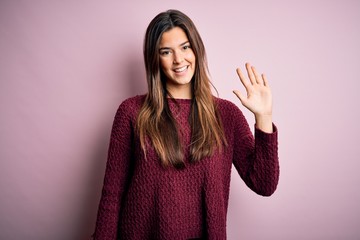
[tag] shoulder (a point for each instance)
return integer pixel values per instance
(229, 113)
(131, 106)
(226, 107)
(133, 102)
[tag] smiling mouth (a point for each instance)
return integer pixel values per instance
(180, 70)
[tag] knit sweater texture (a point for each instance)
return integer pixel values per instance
(141, 199)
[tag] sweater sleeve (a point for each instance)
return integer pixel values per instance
(116, 175)
(256, 158)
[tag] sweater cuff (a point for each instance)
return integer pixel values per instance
(268, 137)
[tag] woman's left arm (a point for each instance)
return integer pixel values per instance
(256, 159)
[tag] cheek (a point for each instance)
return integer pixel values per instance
(164, 64)
(191, 57)
(165, 68)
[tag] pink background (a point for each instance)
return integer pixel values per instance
(66, 65)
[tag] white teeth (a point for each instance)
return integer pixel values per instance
(178, 70)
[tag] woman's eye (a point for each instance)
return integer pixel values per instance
(164, 53)
(186, 47)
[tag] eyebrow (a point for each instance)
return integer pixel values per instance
(167, 48)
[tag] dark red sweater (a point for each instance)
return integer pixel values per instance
(143, 200)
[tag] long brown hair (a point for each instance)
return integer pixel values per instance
(155, 119)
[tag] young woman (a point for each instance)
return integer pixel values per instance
(171, 150)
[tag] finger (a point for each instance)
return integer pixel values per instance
(242, 78)
(250, 73)
(257, 76)
(266, 83)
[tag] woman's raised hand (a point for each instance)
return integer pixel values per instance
(259, 97)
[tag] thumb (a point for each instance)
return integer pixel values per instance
(240, 97)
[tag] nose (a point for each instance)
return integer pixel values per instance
(178, 58)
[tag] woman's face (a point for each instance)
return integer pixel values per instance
(177, 61)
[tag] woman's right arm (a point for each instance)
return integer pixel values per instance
(116, 176)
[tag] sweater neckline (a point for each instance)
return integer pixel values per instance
(179, 100)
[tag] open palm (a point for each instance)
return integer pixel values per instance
(259, 97)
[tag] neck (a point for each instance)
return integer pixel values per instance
(180, 92)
